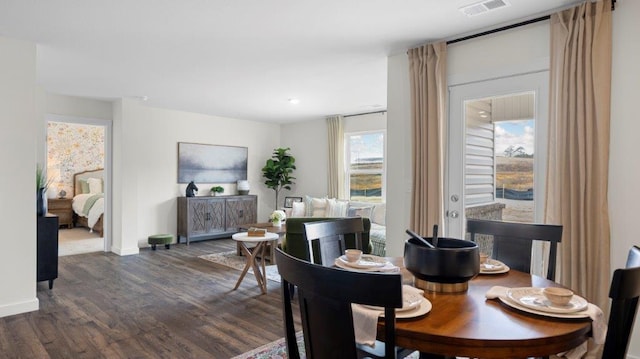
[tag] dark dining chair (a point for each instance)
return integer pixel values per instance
(512, 242)
(325, 295)
(624, 293)
(326, 239)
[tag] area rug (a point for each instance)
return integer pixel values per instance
(232, 260)
(274, 350)
(278, 350)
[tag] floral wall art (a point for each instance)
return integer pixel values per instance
(72, 148)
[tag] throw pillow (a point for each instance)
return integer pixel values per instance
(379, 214)
(336, 208)
(315, 207)
(364, 212)
(95, 185)
(298, 209)
(84, 186)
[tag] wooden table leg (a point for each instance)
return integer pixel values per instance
(246, 266)
(252, 263)
(260, 277)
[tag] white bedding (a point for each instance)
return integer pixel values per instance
(94, 213)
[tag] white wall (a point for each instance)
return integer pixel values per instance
(18, 126)
(522, 50)
(528, 48)
(367, 122)
(145, 166)
(399, 170)
(309, 145)
(74, 106)
(624, 166)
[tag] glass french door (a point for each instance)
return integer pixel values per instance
(496, 147)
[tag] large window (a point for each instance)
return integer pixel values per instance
(365, 166)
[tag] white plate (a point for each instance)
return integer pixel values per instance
(498, 267)
(422, 309)
(516, 305)
(366, 261)
(533, 298)
(388, 267)
(410, 301)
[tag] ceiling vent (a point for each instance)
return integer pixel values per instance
(483, 6)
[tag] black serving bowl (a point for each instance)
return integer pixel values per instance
(454, 261)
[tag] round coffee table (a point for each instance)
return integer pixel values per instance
(252, 256)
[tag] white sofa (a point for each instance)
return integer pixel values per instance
(331, 207)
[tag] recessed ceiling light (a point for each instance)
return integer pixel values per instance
(294, 101)
(484, 116)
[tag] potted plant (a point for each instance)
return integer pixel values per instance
(42, 183)
(216, 189)
(278, 171)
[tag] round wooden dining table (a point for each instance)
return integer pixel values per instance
(469, 325)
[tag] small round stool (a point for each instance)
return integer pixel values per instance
(165, 239)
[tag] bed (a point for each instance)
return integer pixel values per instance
(88, 200)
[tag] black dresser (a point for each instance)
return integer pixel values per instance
(47, 248)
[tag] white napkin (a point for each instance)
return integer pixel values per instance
(388, 267)
(598, 323)
(365, 319)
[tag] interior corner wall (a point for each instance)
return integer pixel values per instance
(18, 126)
(145, 166)
(624, 171)
(309, 145)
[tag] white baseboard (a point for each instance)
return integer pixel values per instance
(21, 307)
(125, 251)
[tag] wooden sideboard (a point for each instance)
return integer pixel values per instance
(47, 261)
(209, 217)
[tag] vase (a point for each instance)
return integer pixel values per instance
(276, 222)
(41, 202)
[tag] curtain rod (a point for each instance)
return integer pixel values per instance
(366, 113)
(512, 26)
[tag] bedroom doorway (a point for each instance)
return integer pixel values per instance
(78, 161)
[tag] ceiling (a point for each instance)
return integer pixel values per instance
(239, 58)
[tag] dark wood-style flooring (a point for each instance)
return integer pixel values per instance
(158, 304)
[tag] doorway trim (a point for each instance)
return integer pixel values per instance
(108, 187)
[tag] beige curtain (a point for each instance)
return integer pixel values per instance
(427, 66)
(579, 145)
(336, 185)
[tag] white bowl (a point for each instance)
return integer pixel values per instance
(558, 296)
(353, 255)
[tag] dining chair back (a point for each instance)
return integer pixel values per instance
(328, 238)
(512, 242)
(325, 295)
(624, 293)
